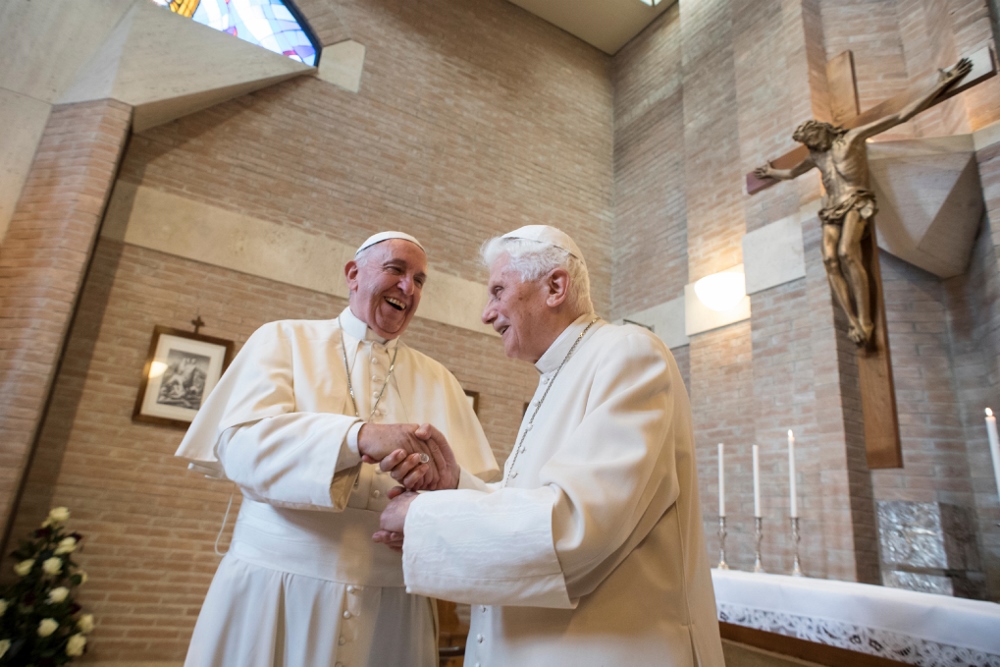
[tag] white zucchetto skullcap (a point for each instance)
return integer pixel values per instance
(548, 235)
(386, 236)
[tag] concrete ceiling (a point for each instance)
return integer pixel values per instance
(606, 24)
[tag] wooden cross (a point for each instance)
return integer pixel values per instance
(878, 396)
(197, 322)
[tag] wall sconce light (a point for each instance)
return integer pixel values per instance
(722, 291)
(651, 3)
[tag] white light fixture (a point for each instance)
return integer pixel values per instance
(651, 3)
(722, 291)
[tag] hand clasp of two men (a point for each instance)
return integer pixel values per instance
(418, 457)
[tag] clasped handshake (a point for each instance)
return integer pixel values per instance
(418, 457)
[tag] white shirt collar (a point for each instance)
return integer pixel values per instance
(360, 331)
(560, 346)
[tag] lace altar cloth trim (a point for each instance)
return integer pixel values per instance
(883, 643)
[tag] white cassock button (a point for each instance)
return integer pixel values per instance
(528, 427)
(375, 394)
(351, 589)
(341, 641)
(347, 614)
(376, 379)
(375, 361)
(479, 638)
(376, 493)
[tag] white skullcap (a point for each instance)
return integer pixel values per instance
(386, 236)
(548, 235)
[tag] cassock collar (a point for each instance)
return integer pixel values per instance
(360, 331)
(560, 346)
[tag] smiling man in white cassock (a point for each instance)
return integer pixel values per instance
(590, 551)
(295, 422)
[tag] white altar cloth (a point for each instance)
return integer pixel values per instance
(907, 626)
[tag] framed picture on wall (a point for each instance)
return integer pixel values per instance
(181, 369)
(473, 397)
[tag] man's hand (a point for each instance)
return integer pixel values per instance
(393, 519)
(378, 441)
(405, 469)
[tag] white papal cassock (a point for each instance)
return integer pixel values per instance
(303, 584)
(593, 554)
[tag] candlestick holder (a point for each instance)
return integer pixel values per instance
(758, 523)
(723, 565)
(796, 566)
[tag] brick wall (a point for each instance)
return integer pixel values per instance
(472, 120)
(650, 221)
(721, 382)
(149, 523)
(42, 264)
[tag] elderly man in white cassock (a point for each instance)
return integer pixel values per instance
(590, 550)
(295, 423)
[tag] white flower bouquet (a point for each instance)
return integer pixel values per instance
(40, 624)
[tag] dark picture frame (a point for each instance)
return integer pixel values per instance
(181, 369)
(473, 397)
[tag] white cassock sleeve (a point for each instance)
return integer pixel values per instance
(273, 453)
(610, 479)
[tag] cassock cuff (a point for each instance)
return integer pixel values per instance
(349, 455)
(352, 439)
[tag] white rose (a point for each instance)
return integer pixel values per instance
(4, 645)
(86, 624)
(66, 545)
(74, 646)
(3, 607)
(52, 566)
(47, 627)
(57, 595)
(57, 516)
(24, 567)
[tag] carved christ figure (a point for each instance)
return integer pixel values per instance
(848, 202)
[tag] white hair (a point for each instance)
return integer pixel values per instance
(534, 259)
(361, 259)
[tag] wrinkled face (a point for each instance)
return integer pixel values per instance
(385, 289)
(515, 309)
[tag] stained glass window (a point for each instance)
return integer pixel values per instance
(273, 24)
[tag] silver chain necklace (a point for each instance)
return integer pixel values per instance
(538, 405)
(347, 370)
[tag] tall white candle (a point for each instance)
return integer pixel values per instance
(991, 431)
(791, 475)
(722, 484)
(756, 481)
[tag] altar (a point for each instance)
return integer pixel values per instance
(890, 623)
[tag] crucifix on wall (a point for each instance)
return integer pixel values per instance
(850, 253)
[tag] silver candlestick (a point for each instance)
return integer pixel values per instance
(796, 566)
(723, 565)
(759, 528)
